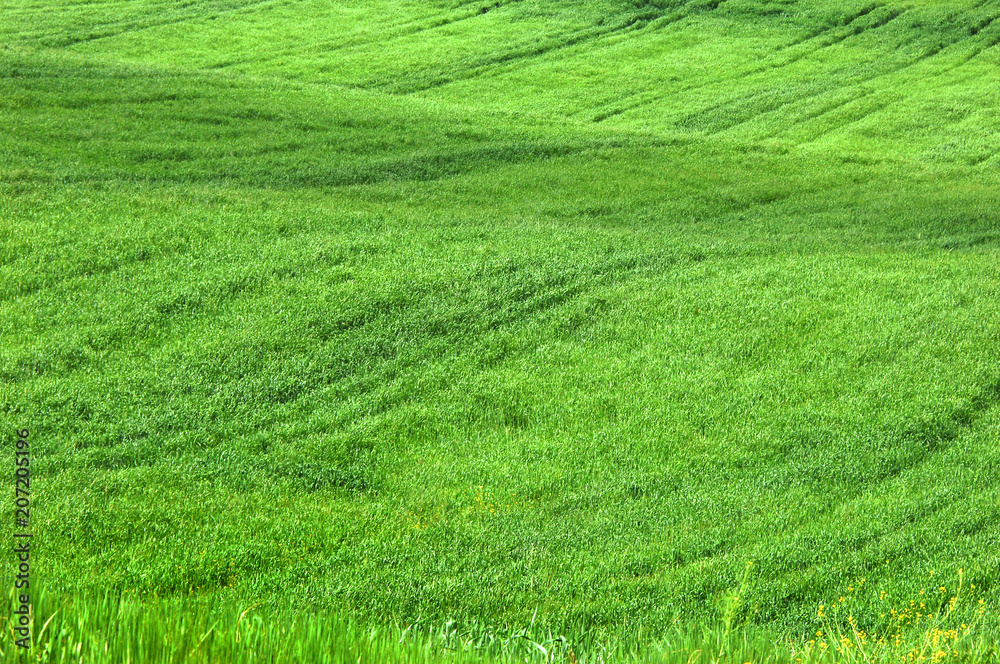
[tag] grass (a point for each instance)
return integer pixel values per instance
(114, 628)
(516, 314)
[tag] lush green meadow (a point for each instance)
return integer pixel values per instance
(542, 315)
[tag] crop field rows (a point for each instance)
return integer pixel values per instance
(527, 313)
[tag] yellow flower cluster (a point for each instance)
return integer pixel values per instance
(913, 634)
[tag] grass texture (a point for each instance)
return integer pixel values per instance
(939, 626)
(510, 314)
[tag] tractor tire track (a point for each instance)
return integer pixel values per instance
(769, 66)
(118, 29)
(647, 20)
(414, 27)
(755, 112)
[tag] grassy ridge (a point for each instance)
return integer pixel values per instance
(492, 348)
(906, 79)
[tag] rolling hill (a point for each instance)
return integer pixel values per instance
(547, 311)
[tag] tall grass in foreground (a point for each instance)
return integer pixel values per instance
(955, 627)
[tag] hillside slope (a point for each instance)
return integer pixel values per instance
(472, 309)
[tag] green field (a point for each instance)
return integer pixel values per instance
(542, 315)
